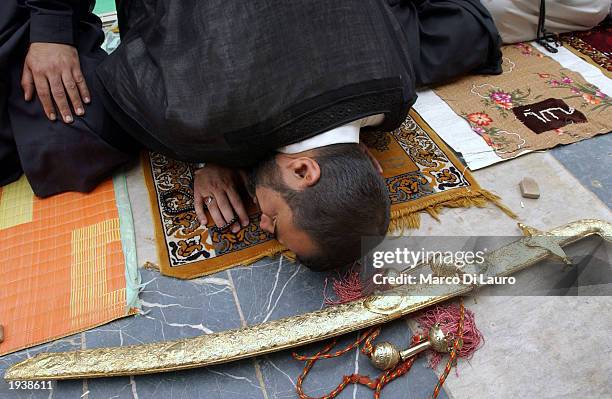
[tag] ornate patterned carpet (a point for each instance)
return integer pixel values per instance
(67, 263)
(421, 172)
(186, 249)
(594, 46)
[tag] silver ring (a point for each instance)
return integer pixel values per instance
(208, 200)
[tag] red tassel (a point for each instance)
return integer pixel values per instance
(448, 318)
(346, 288)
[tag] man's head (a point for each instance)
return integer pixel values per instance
(319, 203)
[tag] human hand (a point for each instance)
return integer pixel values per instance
(215, 187)
(53, 71)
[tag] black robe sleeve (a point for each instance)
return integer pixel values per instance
(53, 21)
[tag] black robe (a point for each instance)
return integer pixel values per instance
(55, 156)
(226, 81)
(230, 81)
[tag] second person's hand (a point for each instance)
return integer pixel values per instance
(53, 72)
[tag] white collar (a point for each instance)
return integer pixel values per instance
(348, 133)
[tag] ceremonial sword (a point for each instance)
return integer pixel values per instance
(289, 332)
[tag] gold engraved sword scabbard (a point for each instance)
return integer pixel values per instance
(297, 330)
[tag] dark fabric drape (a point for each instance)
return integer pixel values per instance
(56, 157)
(448, 38)
(229, 81)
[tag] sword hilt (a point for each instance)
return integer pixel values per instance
(386, 356)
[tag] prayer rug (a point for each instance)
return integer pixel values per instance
(594, 46)
(67, 263)
(185, 248)
(535, 104)
(421, 173)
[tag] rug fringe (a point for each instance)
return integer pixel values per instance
(403, 219)
(400, 222)
(289, 255)
(496, 200)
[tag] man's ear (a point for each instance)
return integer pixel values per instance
(304, 172)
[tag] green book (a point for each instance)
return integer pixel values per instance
(104, 6)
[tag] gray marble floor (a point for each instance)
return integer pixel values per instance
(544, 347)
(517, 359)
(245, 295)
(590, 162)
(526, 337)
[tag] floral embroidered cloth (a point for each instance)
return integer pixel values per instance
(535, 104)
(421, 173)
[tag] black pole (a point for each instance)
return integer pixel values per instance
(543, 37)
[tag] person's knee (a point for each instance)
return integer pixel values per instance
(568, 15)
(517, 20)
(601, 10)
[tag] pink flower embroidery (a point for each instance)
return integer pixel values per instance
(599, 94)
(525, 48)
(554, 83)
(479, 130)
(575, 91)
(500, 97)
(567, 80)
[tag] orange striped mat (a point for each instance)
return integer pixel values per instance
(64, 262)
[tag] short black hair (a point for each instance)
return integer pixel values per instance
(350, 201)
